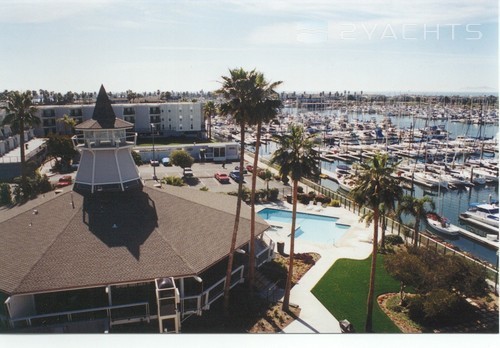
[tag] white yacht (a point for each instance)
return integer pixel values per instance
(485, 213)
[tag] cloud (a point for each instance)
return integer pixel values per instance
(34, 11)
(401, 11)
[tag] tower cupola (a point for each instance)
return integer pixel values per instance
(105, 144)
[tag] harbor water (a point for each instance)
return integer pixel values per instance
(449, 202)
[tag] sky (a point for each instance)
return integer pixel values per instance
(398, 46)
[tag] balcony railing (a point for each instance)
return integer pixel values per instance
(127, 313)
(82, 141)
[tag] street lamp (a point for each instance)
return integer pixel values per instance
(153, 163)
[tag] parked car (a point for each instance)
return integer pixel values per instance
(237, 168)
(187, 172)
(235, 175)
(249, 168)
(222, 178)
(154, 163)
(65, 180)
(165, 161)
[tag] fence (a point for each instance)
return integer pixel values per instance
(392, 226)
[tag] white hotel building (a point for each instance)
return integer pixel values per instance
(168, 119)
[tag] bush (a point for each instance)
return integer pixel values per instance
(394, 239)
(204, 188)
(439, 308)
(137, 158)
(273, 194)
(300, 189)
(323, 199)
(274, 271)
(305, 258)
(245, 194)
(334, 203)
(173, 180)
(303, 198)
(5, 194)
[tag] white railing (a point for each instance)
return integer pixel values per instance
(81, 140)
(68, 316)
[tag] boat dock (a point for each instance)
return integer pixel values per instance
(486, 227)
(482, 240)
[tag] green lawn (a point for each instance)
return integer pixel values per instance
(343, 290)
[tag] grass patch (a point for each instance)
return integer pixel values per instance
(343, 290)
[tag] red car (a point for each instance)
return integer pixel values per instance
(64, 181)
(222, 178)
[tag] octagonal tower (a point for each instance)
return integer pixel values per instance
(105, 145)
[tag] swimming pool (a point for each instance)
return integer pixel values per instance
(313, 228)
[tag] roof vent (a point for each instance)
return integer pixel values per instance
(114, 226)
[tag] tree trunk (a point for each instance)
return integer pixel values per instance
(23, 153)
(251, 259)
(230, 260)
(210, 127)
(402, 296)
(416, 232)
(382, 239)
(288, 285)
(371, 289)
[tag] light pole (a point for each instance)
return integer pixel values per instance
(153, 163)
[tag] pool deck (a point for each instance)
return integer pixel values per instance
(355, 244)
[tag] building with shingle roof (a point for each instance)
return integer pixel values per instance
(119, 256)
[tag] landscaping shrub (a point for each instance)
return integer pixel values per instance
(322, 199)
(305, 258)
(5, 194)
(173, 180)
(273, 194)
(393, 239)
(439, 308)
(334, 203)
(303, 198)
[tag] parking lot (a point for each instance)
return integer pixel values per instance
(204, 176)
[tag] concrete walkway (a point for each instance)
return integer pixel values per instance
(355, 244)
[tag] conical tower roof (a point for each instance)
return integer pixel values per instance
(103, 117)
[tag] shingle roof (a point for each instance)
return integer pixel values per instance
(103, 117)
(118, 237)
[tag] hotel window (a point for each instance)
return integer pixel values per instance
(154, 110)
(49, 113)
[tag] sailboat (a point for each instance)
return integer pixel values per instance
(439, 223)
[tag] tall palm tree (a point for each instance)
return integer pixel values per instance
(296, 158)
(209, 111)
(20, 113)
(241, 95)
(267, 108)
(416, 207)
(374, 186)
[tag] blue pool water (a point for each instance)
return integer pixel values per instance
(313, 228)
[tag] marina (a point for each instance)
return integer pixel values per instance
(452, 159)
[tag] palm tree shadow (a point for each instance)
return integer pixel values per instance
(120, 219)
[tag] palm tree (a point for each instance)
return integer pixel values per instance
(416, 207)
(20, 113)
(209, 110)
(68, 123)
(267, 108)
(241, 96)
(374, 186)
(296, 158)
